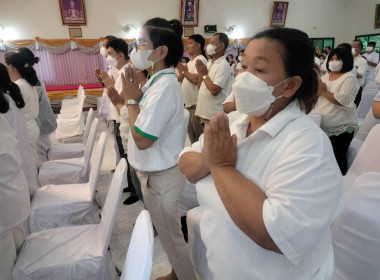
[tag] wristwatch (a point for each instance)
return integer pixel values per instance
(204, 77)
(132, 102)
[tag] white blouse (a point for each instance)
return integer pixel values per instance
(337, 118)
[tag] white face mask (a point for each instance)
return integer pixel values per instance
(211, 49)
(353, 51)
(369, 49)
(240, 58)
(112, 61)
(140, 59)
(103, 51)
(252, 95)
(335, 65)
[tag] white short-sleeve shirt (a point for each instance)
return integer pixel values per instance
(361, 66)
(189, 90)
(14, 193)
(219, 72)
(371, 57)
(114, 114)
(161, 119)
(337, 118)
(292, 161)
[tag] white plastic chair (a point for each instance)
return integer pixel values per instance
(72, 150)
(356, 232)
(70, 121)
(68, 205)
(367, 160)
(69, 171)
(138, 262)
(78, 252)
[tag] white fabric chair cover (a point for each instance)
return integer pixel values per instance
(78, 252)
(356, 232)
(72, 150)
(70, 120)
(367, 160)
(138, 262)
(315, 116)
(197, 248)
(368, 95)
(69, 171)
(68, 205)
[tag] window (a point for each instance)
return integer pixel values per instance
(368, 38)
(322, 43)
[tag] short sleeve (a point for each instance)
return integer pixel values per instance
(347, 91)
(222, 75)
(157, 112)
(304, 195)
(230, 98)
(362, 69)
(377, 97)
(195, 147)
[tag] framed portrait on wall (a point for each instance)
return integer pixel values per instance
(377, 16)
(72, 12)
(279, 11)
(189, 12)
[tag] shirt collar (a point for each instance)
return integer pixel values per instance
(272, 127)
(219, 59)
(121, 70)
(153, 78)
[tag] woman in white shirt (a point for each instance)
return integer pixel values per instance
(23, 74)
(156, 137)
(11, 103)
(266, 179)
(337, 92)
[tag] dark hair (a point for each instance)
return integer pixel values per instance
(345, 45)
(223, 38)
(22, 65)
(7, 86)
(298, 58)
(109, 38)
(328, 47)
(173, 24)
(185, 58)
(372, 43)
(30, 57)
(200, 40)
(167, 37)
(325, 52)
(360, 43)
(322, 55)
(346, 57)
(120, 46)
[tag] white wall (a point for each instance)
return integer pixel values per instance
(341, 19)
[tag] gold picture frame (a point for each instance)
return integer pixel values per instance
(75, 32)
(72, 12)
(278, 16)
(189, 12)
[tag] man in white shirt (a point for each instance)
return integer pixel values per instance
(117, 56)
(214, 80)
(372, 58)
(189, 77)
(360, 67)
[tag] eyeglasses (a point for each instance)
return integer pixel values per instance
(140, 45)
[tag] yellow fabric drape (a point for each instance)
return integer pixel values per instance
(60, 94)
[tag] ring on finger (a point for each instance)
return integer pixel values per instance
(130, 80)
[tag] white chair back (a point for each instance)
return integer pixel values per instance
(356, 232)
(367, 160)
(186, 123)
(89, 119)
(90, 144)
(97, 164)
(112, 204)
(138, 262)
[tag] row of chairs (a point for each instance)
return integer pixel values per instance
(69, 240)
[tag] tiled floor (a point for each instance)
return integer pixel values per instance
(126, 215)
